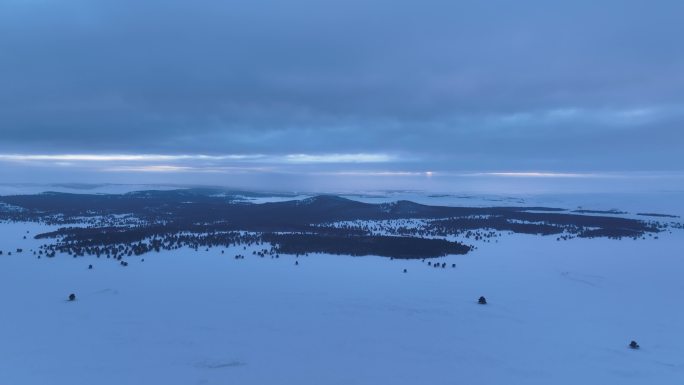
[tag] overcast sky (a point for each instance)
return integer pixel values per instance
(310, 93)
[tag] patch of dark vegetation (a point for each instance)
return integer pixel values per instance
(386, 246)
(498, 223)
(149, 221)
(658, 215)
(97, 242)
(615, 212)
(614, 233)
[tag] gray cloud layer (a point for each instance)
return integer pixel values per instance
(451, 85)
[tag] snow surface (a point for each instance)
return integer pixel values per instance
(558, 313)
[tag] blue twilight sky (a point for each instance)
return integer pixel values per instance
(344, 94)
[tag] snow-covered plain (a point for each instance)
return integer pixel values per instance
(558, 313)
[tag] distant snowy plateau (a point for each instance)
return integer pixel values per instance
(231, 303)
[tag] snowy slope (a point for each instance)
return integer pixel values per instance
(558, 313)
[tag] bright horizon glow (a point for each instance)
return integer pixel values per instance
(339, 158)
(530, 174)
(122, 157)
(322, 172)
(285, 164)
(288, 158)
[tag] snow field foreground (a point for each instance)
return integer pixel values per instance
(558, 313)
